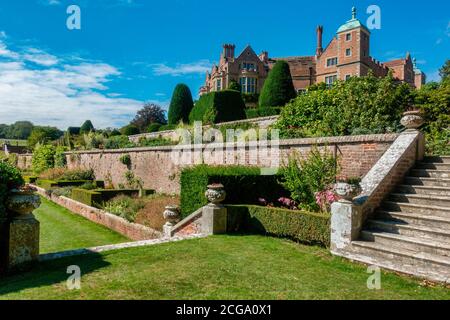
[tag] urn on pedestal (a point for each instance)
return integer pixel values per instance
(215, 194)
(412, 120)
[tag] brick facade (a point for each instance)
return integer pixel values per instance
(346, 55)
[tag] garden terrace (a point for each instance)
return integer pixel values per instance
(256, 268)
(357, 155)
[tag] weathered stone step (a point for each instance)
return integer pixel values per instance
(437, 159)
(423, 181)
(413, 189)
(427, 173)
(392, 226)
(421, 199)
(416, 208)
(426, 220)
(409, 243)
(433, 166)
(429, 266)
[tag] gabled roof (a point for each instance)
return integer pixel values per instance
(249, 49)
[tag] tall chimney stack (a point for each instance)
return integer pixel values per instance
(319, 49)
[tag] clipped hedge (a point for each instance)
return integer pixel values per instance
(51, 184)
(305, 227)
(94, 198)
(262, 112)
(244, 185)
(216, 107)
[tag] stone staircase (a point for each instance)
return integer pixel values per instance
(410, 232)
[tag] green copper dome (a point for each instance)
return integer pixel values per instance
(352, 24)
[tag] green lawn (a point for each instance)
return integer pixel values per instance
(218, 267)
(13, 142)
(62, 230)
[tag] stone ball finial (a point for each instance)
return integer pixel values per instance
(412, 120)
(215, 194)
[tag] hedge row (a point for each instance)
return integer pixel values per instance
(97, 197)
(216, 107)
(262, 112)
(50, 184)
(304, 227)
(244, 185)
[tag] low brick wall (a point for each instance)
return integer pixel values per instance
(357, 155)
(132, 231)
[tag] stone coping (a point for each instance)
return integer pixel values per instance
(390, 137)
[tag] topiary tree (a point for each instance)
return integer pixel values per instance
(234, 86)
(181, 104)
(278, 88)
(216, 107)
(130, 130)
(87, 127)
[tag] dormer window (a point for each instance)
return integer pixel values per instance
(348, 37)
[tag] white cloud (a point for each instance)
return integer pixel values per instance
(181, 69)
(58, 91)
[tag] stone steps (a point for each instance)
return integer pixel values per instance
(426, 220)
(437, 159)
(425, 190)
(423, 199)
(404, 242)
(428, 173)
(402, 228)
(416, 208)
(433, 166)
(430, 266)
(423, 181)
(410, 232)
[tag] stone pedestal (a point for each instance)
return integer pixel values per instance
(23, 241)
(346, 223)
(214, 219)
(3, 244)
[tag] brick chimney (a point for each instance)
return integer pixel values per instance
(228, 51)
(319, 49)
(264, 57)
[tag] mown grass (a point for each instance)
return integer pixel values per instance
(62, 230)
(14, 142)
(218, 267)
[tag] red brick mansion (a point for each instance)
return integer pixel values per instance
(347, 55)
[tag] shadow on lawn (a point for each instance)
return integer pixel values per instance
(51, 273)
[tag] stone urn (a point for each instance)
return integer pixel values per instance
(412, 119)
(347, 191)
(215, 194)
(22, 202)
(171, 215)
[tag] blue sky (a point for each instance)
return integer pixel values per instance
(131, 51)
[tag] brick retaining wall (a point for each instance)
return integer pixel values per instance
(155, 167)
(130, 230)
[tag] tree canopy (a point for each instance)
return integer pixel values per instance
(150, 113)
